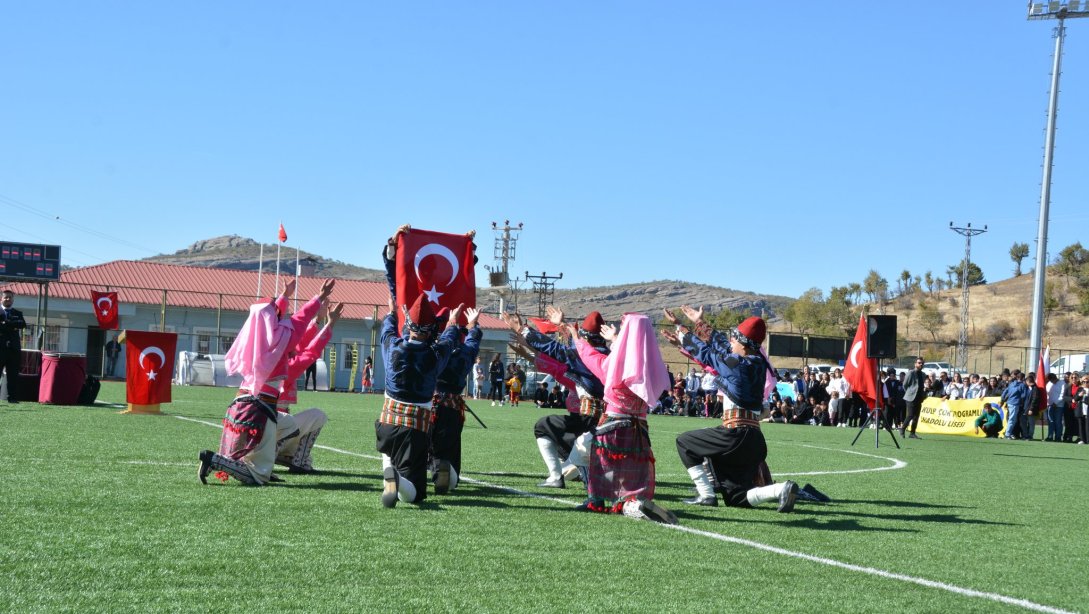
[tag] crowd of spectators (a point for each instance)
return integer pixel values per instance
(826, 399)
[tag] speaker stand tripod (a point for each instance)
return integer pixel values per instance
(876, 416)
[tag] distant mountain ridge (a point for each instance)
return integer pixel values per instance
(242, 253)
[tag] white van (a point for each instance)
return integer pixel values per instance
(1073, 363)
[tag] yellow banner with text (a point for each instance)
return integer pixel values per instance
(941, 417)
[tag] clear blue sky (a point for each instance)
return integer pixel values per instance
(765, 146)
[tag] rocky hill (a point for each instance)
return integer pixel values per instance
(235, 252)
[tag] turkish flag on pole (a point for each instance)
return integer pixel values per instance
(861, 372)
(437, 264)
(149, 366)
(1044, 369)
(104, 305)
(283, 233)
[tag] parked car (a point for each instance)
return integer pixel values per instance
(1073, 363)
(934, 369)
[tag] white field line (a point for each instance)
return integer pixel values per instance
(966, 592)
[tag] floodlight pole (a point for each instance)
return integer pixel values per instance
(1036, 11)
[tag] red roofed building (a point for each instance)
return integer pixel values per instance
(206, 308)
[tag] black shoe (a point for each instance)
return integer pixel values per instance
(442, 478)
(205, 468)
(788, 497)
(390, 479)
(704, 501)
(809, 492)
(913, 436)
(303, 470)
(583, 507)
(275, 478)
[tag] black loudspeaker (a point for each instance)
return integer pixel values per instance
(880, 336)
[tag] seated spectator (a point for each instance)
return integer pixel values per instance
(540, 396)
(803, 413)
(990, 421)
(776, 415)
(714, 406)
(557, 398)
(820, 415)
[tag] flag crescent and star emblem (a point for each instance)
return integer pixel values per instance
(434, 249)
(106, 309)
(149, 351)
(854, 353)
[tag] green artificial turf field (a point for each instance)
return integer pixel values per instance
(104, 512)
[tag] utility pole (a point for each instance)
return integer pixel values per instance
(506, 240)
(962, 344)
(545, 288)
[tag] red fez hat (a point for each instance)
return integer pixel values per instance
(754, 330)
(421, 312)
(593, 322)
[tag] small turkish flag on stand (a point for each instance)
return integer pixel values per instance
(1044, 368)
(283, 234)
(105, 308)
(437, 264)
(861, 372)
(149, 368)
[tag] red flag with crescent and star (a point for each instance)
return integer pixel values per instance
(104, 305)
(860, 371)
(282, 235)
(149, 366)
(438, 265)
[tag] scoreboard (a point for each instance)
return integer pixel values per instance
(29, 261)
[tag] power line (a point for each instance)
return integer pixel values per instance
(75, 226)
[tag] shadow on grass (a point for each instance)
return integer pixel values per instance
(1041, 457)
(509, 474)
(331, 486)
(472, 503)
(941, 518)
(900, 503)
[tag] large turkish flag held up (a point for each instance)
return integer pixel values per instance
(105, 308)
(860, 371)
(149, 366)
(437, 264)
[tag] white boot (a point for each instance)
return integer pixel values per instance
(705, 491)
(785, 493)
(551, 458)
(406, 491)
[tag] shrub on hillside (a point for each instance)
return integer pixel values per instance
(997, 331)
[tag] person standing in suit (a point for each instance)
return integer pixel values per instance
(11, 352)
(914, 393)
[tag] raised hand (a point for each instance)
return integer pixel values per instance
(471, 316)
(572, 331)
(514, 321)
(672, 319)
(289, 288)
(608, 332)
(672, 338)
(695, 315)
(555, 316)
(334, 313)
(455, 313)
(326, 288)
